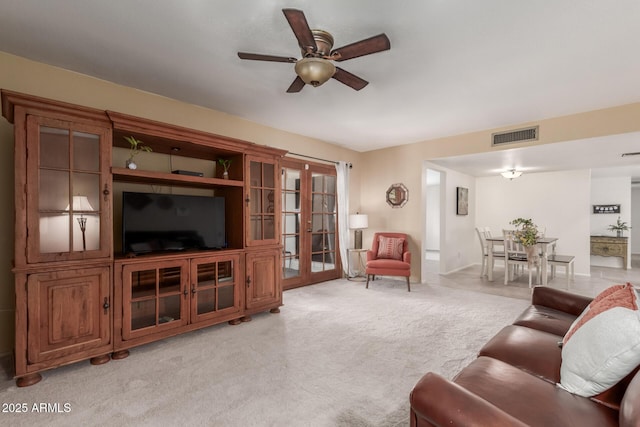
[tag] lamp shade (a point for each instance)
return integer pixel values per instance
(80, 204)
(358, 221)
(315, 71)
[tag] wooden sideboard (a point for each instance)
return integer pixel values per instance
(610, 246)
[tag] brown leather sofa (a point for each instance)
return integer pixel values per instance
(513, 380)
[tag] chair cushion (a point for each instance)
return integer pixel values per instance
(390, 247)
(603, 344)
(388, 264)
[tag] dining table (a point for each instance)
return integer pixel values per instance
(545, 245)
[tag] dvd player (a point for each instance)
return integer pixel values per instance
(190, 173)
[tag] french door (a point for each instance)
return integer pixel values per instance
(309, 217)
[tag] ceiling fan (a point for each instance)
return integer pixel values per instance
(316, 66)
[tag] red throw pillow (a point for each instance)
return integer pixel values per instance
(390, 247)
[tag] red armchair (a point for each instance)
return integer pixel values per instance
(389, 256)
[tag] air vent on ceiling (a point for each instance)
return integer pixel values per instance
(518, 135)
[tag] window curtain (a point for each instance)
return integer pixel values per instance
(342, 169)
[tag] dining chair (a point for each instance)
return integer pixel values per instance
(516, 256)
(484, 233)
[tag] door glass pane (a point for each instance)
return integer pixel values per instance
(86, 151)
(268, 199)
(291, 258)
(269, 227)
(225, 297)
(88, 185)
(317, 183)
(143, 314)
(291, 180)
(54, 190)
(86, 208)
(330, 184)
(54, 232)
(225, 272)
(269, 175)
(169, 309)
(169, 280)
(54, 148)
(256, 200)
(330, 204)
(86, 232)
(256, 174)
(143, 284)
(206, 275)
(323, 218)
(256, 227)
(206, 300)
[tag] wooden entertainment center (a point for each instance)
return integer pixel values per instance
(78, 296)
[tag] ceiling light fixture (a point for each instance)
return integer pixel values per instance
(315, 71)
(511, 174)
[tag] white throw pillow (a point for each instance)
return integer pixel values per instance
(602, 345)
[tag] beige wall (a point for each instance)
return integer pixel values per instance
(405, 163)
(21, 75)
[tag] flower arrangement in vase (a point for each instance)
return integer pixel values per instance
(137, 147)
(527, 234)
(619, 227)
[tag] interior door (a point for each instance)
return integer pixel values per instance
(309, 217)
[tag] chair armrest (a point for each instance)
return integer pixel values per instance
(370, 255)
(560, 300)
(406, 257)
(441, 402)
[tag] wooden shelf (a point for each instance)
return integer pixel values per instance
(151, 177)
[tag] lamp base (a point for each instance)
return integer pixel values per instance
(358, 239)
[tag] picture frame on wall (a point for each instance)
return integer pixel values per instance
(606, 209)
(462, 200)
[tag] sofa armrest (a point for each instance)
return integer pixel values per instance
(560, 300)
(406, 257)
(440, 402)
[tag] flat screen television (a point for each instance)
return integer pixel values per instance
(171, 222)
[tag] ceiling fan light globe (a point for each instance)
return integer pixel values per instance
(315, 71)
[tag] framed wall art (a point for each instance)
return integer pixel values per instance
(605, 209)
(462, 199)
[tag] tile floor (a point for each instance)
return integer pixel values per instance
(601, 278)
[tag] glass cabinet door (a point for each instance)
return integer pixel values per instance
(68, 198)
(215, 287)
(155, 296)
(262, 202)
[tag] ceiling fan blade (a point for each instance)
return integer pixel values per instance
(260, 57)
(363, 47)
(349, 79)
(300, 27)
(296, 86)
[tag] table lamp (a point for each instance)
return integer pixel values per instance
(358, 222)
(81, 204)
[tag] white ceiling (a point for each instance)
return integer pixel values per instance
(454, 66)
(602, 155)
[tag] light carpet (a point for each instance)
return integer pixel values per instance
(337, 355)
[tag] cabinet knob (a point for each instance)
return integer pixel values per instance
(193, 289)
(185, 292)
(106, 192)
(106, 303)
(248, 281)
